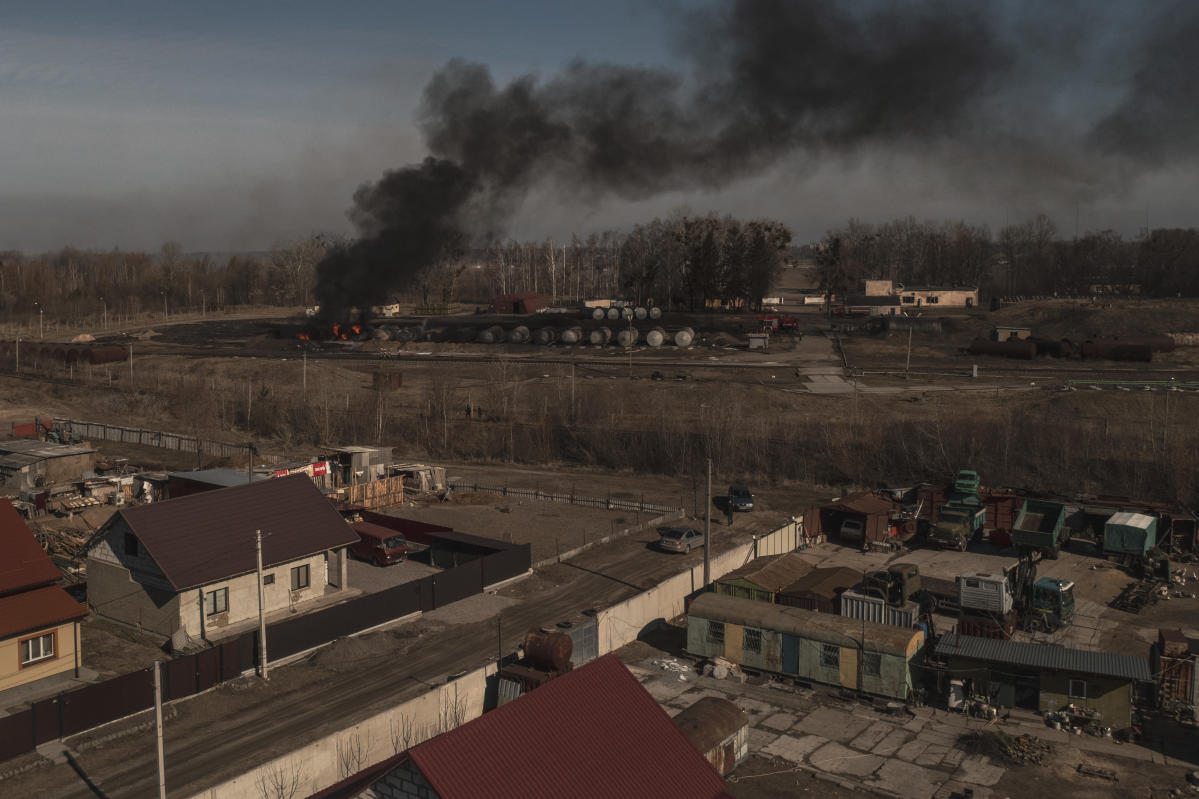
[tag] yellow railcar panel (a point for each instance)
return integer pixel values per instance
(849, 667)
(733, 636)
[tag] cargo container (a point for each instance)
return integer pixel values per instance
(985, 591)
(874, 609)
(1041, 526)
(1129, 534)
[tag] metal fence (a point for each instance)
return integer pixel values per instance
(93, 705)
(154, 438)
(608, 503)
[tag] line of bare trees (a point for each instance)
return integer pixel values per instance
(1028, 258)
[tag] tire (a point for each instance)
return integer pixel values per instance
(1053, 553)
(962, 545)
(379, 561)
(688, 550)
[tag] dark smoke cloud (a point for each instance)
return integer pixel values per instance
(971, 85)
(1159, 117)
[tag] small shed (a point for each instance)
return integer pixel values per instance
(820, 589)
(1005, 333)
(874, 511)
(1100, 686)
(719, 730)
(759, 341)
(523, 302)
(762, 578)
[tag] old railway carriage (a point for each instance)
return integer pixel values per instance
(817, 647)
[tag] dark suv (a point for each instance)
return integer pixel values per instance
(740, 498)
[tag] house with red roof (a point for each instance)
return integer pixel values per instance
(39, 622)
(186, 567)
(593, 733)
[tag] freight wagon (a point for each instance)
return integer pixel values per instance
(813, 647)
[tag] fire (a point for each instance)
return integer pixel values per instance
(303, 337)
(336, 330)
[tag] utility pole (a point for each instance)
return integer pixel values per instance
(908, 366)
(131, 367)
(305, 375)
(572, 389)
(162, 772)
(17, 363)
(249, 461)
(708, 531)
(261, 605)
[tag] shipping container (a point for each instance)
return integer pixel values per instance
(984, 591)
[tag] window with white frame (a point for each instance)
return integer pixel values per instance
(830, 656)
(299, 577)
(1078, 689)
(216, 602)
(38, 648)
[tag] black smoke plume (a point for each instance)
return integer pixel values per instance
(968, 83)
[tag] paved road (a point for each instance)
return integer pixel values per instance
(259, 722)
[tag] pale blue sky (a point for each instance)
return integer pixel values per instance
(236, 125)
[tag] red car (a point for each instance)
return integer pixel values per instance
(378, 544)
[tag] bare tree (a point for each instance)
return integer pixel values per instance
(281, 782)
(352, 753)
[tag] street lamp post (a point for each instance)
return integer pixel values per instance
(105, 304)
(164, 303)
(41, 312)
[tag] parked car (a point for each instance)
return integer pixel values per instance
(740, 498)
(852, 530)
(680, 539)
(378, 544)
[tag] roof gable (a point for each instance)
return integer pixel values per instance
(771, 572)
(209, 536)
(594, 732)
(23, 563)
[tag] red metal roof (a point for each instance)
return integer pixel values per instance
(593, 733)
(36, 610)
(23, 563)
(209, 536)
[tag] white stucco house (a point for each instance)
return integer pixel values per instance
(185, 568)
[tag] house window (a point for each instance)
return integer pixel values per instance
(909, 300)
(268, 579)
(216, 602)
(130, 544)
(1078, 689)
(872, 664)
(830, 656)
(38, 648)
(933, 300)
(716, 632)
(299, 577)
(753, 641)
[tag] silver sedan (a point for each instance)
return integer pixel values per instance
(680, 539)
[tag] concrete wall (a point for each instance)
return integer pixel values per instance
(1111, 697)
(324, 762)
(622, 623)
(939, 298)
(11, 673)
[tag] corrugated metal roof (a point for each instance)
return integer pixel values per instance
(23, 563)
(226, 478)
(42, 449)
(209, 536)
(593, 733)
(36, 610)
(867, 504)
(826, 627)
(1042, 656)
(825, 581)
(772, 572)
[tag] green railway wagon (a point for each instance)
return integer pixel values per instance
(815, 647)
